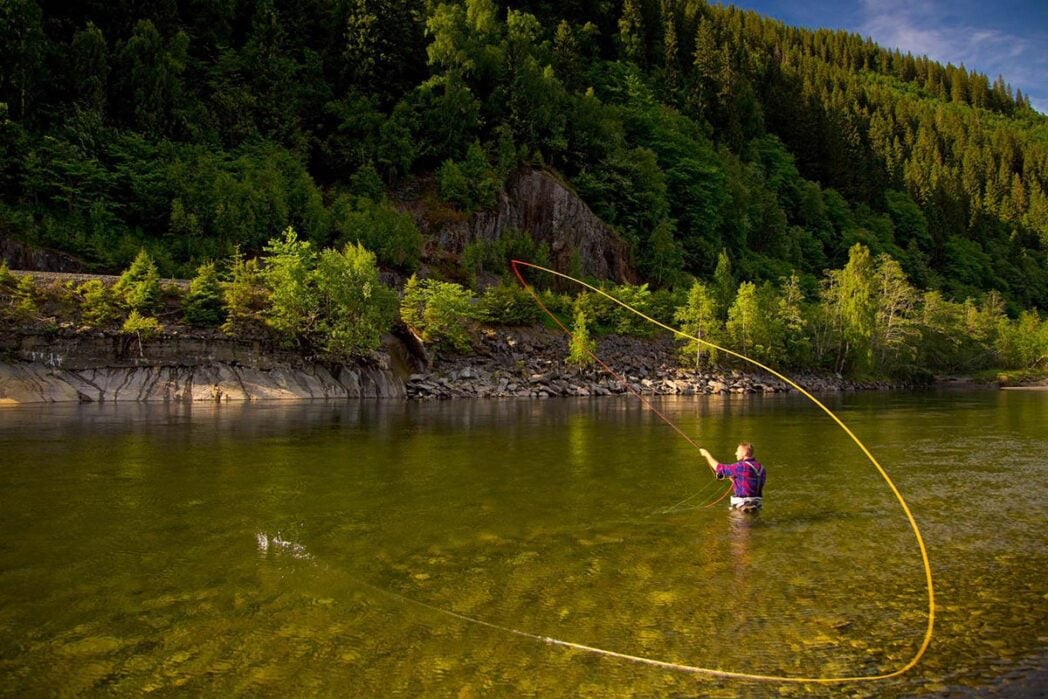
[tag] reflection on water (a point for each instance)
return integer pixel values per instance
(320, 547)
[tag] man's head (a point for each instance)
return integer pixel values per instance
(744, 451)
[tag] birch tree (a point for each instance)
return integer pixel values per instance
(896, 300)
(699, 318)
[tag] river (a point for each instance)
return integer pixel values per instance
(425, 549)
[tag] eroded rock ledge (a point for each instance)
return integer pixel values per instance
(108, 367)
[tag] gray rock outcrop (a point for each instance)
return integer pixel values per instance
(34, 382)
(106, 367)
(537, 202)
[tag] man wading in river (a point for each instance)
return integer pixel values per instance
(747, 477)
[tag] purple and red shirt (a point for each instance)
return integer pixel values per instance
(747, 476)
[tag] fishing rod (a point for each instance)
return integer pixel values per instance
(929, 629)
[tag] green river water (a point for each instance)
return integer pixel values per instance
(327, 549)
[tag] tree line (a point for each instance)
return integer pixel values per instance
(195, 130)
(868, 319)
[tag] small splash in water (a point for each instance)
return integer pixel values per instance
(278, 544)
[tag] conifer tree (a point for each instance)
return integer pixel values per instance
(138, 288)
(203, 305)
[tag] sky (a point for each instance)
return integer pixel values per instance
(993, 37)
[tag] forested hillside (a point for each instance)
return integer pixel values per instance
(196, 128)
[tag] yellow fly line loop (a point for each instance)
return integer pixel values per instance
(723, 673)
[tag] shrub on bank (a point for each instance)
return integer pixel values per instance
(438, 312)
(508, 305)
(141, 327)
(333, 301)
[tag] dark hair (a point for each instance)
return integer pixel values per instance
(747, 447)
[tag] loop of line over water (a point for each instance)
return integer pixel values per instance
(516, 264)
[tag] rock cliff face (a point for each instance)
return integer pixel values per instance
(109, 368)
(26, 257)
(537, 202)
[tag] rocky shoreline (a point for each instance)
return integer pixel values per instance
(505, 363)
(530, 364)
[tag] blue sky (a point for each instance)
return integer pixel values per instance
(993, 37)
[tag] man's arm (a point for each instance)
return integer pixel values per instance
(709, 460)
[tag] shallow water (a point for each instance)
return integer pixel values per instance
(335, 548)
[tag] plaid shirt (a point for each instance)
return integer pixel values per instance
(747, 476)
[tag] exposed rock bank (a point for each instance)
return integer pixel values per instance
(110, 367)
(524, 363)
(530, 363)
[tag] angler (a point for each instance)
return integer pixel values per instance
(747, 477)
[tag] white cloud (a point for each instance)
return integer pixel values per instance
(935, 29)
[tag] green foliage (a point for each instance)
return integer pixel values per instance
(7, 279)
(356, 309)
(138, 288)
(582, 346)
(145, 327)
(691, 129)
(332, 302)
(724, 288)
(382, 46)
(600, 311)
(796, 316)
(203, 305)
(663, 304)
(664, 260)
(508, 304)
(453, 185)
(24, 300)
(244, 295)
(495, 257)
(142, 327)
(560, 305)
(626, 322)
(484, 182)
(438, 312)
(377, 225)
(895, 324)
(471, 184)
(699, 318)
(1024, 343)
(98, 307)
(850, 303)
(366, 182)
(754, 327)
(288, 275)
